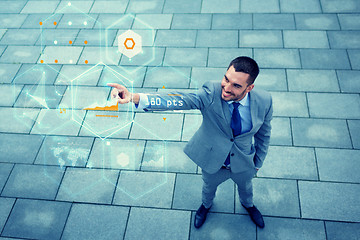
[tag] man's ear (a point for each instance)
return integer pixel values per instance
(250, 87)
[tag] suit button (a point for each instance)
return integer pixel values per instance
(232, 154)
(232, 139)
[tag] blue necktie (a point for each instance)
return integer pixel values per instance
(235, 125)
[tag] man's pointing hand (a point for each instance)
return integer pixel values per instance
(122, 94)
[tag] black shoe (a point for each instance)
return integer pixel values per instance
(255, 216)
(200, 216)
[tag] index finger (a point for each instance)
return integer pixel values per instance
(115, 85)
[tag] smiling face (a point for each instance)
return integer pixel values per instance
(234, 85)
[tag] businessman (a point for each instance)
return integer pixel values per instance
(234, 136)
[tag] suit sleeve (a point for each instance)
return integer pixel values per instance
(262, 138)
(178, 100)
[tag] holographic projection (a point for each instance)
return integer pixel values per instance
(67, 95)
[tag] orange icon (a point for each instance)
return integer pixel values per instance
(70, 42)
(128, 46)
(164, 119)
(40, 23)
(109, 108)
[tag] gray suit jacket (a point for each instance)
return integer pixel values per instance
(214, 140)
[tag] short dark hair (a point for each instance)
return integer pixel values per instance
(246, 65)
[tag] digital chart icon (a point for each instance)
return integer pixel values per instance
(130, 43)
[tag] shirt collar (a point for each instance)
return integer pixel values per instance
(243, 102)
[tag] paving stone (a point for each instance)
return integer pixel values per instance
(147, 37)
(191, 21)
(20, 37)
(300, 6)
(273, 21)
(317, 21)
(143, 6)
(99, 55)
(175, 38)
(79, 75)
(6, 206)
(20, 54)
(334, 105)
(88, 185)
(64, 151)
(200, 75)
(232, 21)
(345, 6)
(147, 223)
(77, 20)
(18, 148)
(40, 96)
(95, 37)
(146, 189)
(9, 93)
(40, 7)
(185, 6)
(156, 127)
(320, 133)
(109, 7)
(77, 97)
(12, 20)
(224, 226)
(354, 128)
(342, 230)
(37, 74)
(217, 38)
(37, 219)
(274, 197)
(33, 21)
(116, 154)
(187, 194)
(127, 76)
(212, 6)
(289, 104)
(285, 228)
(317, 199)
(64, 122)
(75, 7)
(349, 21)
(167, 156)
(167, 76)
(152, 21)
(63, 55)
(312, 80)
(277, 58)
(5, 170)
(305, 39)
(31, 181)
(194, 57)
(271, 80)
(191, 125)
(8, 72)
(324, 59)
(17, 120)
(150, 56)
(344, 39)
(338, 165)
(259, 6)
(221, 57)
(11, 6)
(110, 222)
(289, 162)
(2, 48)
(354, 56)
(281, 131)
(114, 21)
(260, 38)
(57, 37)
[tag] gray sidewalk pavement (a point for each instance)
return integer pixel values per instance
(70, 173)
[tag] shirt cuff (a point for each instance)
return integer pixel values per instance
(143, 101)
